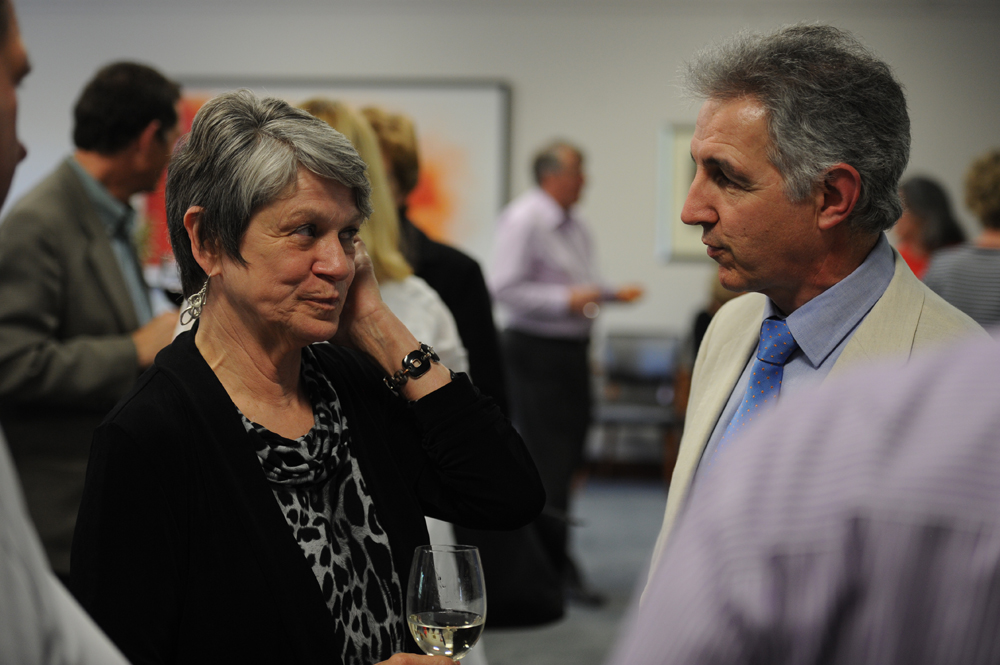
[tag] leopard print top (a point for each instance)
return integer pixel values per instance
(322, 494)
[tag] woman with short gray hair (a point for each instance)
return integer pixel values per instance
(258, 495)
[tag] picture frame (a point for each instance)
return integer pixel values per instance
(675, 241)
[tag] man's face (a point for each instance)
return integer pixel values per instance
(566, 185)
(762, 241)
(13, 68)
(158, 156)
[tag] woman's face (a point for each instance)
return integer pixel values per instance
(299, 253)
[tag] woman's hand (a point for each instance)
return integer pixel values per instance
(367, 325)
(364, 301)
(415, 659)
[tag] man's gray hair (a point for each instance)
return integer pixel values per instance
(829, 100)
(549, 159)
(243, 153)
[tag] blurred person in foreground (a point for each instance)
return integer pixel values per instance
(926, 225)
(76, 322)
(968, 276)
(545, 277)
(455, 275)
(868, 538)
(798, 151)
(259, 494)
(39, 621)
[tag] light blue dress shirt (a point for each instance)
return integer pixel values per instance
(822, 328)
(115, 214)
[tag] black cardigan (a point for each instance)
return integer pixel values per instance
(181, 553)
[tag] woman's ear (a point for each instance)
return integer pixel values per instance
(206, 255)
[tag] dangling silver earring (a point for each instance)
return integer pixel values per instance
(195, 303)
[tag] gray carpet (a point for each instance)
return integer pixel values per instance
(619, 523)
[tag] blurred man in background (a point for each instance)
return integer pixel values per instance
(76, 324)
(39, 621)
(545, 277)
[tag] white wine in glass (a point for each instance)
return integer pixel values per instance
(446, 599)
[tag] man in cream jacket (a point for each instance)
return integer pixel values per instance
(798, 151)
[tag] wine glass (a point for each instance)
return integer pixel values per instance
(446, 599)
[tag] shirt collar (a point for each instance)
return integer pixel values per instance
(553, 214)
(113, 213)
(823, 322)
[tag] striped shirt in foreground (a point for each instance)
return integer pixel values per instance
(968, 277)
(864, 528)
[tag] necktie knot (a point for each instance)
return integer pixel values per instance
(776, 342)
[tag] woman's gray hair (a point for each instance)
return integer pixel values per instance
(829, 100)
(243, 153)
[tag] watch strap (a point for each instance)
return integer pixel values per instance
(415, 364)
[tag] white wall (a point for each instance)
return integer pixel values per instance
(601, 74)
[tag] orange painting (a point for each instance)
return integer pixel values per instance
(462, 157)
(432, 203)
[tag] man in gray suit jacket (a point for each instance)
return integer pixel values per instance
(798, 151)
(76, 324)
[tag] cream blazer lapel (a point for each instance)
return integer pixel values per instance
(100, 255)
(731, 338)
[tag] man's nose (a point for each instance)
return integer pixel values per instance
(696, 208)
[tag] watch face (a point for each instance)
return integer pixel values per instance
(417, 363)
(419, 368)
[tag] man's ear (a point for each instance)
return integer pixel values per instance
(147, 138)
(840, 191)
(206, 256)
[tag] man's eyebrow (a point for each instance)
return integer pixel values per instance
(729, 169)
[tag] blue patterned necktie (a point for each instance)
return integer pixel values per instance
(775, 348)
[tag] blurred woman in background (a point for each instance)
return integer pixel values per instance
(968, 276)
(410, 298)
(927, 223)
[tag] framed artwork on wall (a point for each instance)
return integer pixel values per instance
(463, 130)
(675, 241)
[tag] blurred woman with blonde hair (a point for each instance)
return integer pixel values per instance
(409, 297)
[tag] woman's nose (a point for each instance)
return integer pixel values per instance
(334, 261)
